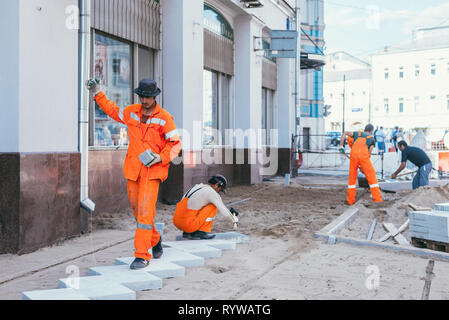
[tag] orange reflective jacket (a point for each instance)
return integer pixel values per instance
(158, 134)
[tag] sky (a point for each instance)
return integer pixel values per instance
(361, 27)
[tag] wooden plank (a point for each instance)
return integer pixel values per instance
(399, 238)
(428, 280)
(400, 230)
(371, 230)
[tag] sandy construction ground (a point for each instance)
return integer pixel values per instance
(282, 260)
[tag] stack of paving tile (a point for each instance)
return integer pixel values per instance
(119, 282)
(431, 225)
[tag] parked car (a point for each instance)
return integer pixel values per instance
(333, 139)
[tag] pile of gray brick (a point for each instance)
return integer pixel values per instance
(431, 225)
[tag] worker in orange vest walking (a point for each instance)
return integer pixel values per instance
(195, 213)
(153, 143)
(363, 144)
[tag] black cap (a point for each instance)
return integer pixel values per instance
(147, 88)
(221, 180)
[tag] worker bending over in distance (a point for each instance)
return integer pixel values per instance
(420, 159)
(195, 213)
(153, 143)
(363, 144)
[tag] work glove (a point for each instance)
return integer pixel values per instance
(157, 159)
(93, 85)
(234, 212)
(342, 150)
(236, 221)
(149, 158)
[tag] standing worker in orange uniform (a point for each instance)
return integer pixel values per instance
(363, 144)
(153, 143)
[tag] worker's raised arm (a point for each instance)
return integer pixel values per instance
(109, 107)
(343, 140)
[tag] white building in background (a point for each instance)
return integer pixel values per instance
(347, 86)
(311, 121)
(410, 83)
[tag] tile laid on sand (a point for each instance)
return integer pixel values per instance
(113, 286)
(175, 256)
(157, 267)
(230, 236)
(119, 282)
(55, 294)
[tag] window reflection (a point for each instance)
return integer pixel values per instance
(113, 69)
(216, 107)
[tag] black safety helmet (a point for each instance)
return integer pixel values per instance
(222, 182)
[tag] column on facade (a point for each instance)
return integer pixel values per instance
(248, 84)
(286, 110)
(183, 85)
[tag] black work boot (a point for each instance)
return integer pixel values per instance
(190, 236)
(139, 263)
(157, 250)
(203, 235)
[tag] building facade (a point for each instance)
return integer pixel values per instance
(233, 104)
(347, 88)
(410, 83)
(311, 113)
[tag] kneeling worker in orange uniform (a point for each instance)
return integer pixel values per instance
(362, 145)
(153, 143)
(195, 213)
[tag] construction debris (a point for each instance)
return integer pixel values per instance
(371, 230)
(400, 230)
(395, 234)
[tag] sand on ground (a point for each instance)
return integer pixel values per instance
(282, 260)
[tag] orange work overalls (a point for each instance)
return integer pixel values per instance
(189, 221)
(360, 157)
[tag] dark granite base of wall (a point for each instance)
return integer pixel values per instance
(41, 200)
(284, 161)
(9, 202)
(107, 185)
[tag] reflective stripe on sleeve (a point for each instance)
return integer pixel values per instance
(171, 134)
(144, 226)
(157, 121)
(352, 187)
(135, 116)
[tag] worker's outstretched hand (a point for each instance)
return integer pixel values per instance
(93, 85)
(236, 221)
